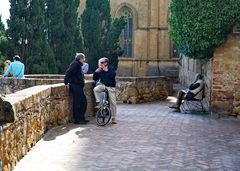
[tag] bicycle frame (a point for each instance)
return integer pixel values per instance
(103, 114)
(104, 98)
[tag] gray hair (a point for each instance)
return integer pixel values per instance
(79, 56)
(104, 59)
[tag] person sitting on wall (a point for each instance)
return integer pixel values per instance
(6, 66)
(195, 91)
(17, 68)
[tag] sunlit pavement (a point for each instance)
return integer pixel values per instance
(148, 137)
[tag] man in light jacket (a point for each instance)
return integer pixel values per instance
(17, 68)
(196, 88)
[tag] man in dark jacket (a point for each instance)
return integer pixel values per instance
(75, 80)
(105, 76)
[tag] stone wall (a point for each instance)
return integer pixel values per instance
(226, 77)
(35, 110)
(143, 89)
(221, 76)
(129, 89)
(10, 85)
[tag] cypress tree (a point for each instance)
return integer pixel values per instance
(45, 33)
(111, 44)
(78, 37)
(41, 58)
(101, 35)
(2, 28)
(55, 26)
(28, 36)
(78, 33)
(3, 44)
(91, 33)
(18, 28)
(63, 31)
(3, 40)
(70, 24)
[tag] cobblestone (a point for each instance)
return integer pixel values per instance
(148, 137)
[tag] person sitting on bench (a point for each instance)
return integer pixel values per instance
(194, 92)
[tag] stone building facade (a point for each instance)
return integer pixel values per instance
(148, 50)
(221, 75)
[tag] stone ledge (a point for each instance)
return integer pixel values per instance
(32, 112)
(129, 89)
(23, 100)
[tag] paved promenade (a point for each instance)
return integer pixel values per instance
(148, 137)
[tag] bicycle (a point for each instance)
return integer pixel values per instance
(103, 114)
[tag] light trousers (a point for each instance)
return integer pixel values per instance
(112, 97)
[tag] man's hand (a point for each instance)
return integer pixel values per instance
(105, 68)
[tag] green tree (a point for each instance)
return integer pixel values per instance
(56, 29)
(3, 44)
(101, 35)
(63, 31)
(41, 58)
(18, 28)
(111, 45)
(70, 24)
(198, 27)
(79, 37)
(27, 33)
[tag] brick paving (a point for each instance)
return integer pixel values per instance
(148, 137)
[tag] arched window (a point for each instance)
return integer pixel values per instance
(126, 35)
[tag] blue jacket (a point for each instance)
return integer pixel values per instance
(17, 69)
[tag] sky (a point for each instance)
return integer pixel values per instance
(4, 10)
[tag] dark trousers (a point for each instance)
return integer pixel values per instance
(180, 97)
(79, 102)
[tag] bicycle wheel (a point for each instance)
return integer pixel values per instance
(103, 116)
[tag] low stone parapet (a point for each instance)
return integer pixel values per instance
(11, 85)
(32, 112)
(129, 89)
(143, 89)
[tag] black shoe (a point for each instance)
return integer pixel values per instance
(81, 122)
(173, 107)
(177, 110)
